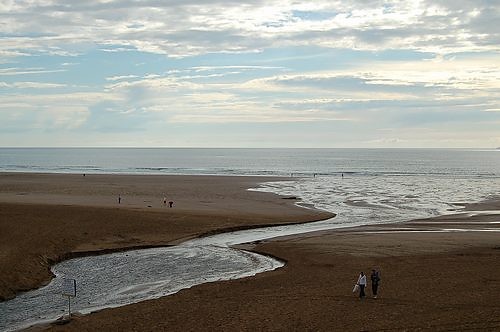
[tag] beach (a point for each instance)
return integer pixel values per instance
(437, 274)
(45, 218)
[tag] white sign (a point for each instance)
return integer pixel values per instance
(69, 287)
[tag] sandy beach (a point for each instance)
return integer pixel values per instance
(45, 218)
(439, 274)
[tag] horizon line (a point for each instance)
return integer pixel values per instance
(247, 148)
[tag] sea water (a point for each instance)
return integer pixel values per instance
(451, 162)
(361, 186)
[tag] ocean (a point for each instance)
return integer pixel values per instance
(361, 186)
(439, 162)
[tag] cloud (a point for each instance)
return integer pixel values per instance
(375, 91)
(240, 67)
(31, 85)
(184, 28)
(439, 78)
(27, 71)
(66, 117)
(61, 111)
(23, 117)
(120, 78)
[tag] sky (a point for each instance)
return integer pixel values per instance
(227, 73)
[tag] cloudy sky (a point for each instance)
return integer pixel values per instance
(227, 73)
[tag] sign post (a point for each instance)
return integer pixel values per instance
(69, 290)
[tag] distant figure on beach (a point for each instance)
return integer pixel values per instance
(342, 175)
(164, 201)
(375, 277)
(119, 199)
(170, 204)
(362, 284)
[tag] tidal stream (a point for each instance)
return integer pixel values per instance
(117, 279)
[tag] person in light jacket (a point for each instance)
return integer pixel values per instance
(362, 284)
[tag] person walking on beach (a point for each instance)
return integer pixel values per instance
(362, 284)
(375, 277)
(119, 199)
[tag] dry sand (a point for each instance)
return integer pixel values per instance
(432, 280)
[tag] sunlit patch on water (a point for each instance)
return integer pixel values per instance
(387, 199)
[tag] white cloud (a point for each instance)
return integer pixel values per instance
(64, 117)
(347, 94)
(119, 78)
(31, 85)
(477, 77)
(181, 28)
(62, 111)
(218, 68)
(26, 71)
(154, 82)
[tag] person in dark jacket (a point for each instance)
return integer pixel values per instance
(375, 278)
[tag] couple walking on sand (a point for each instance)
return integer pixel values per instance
(361, 283)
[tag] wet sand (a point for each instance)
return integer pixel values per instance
(432, 280)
